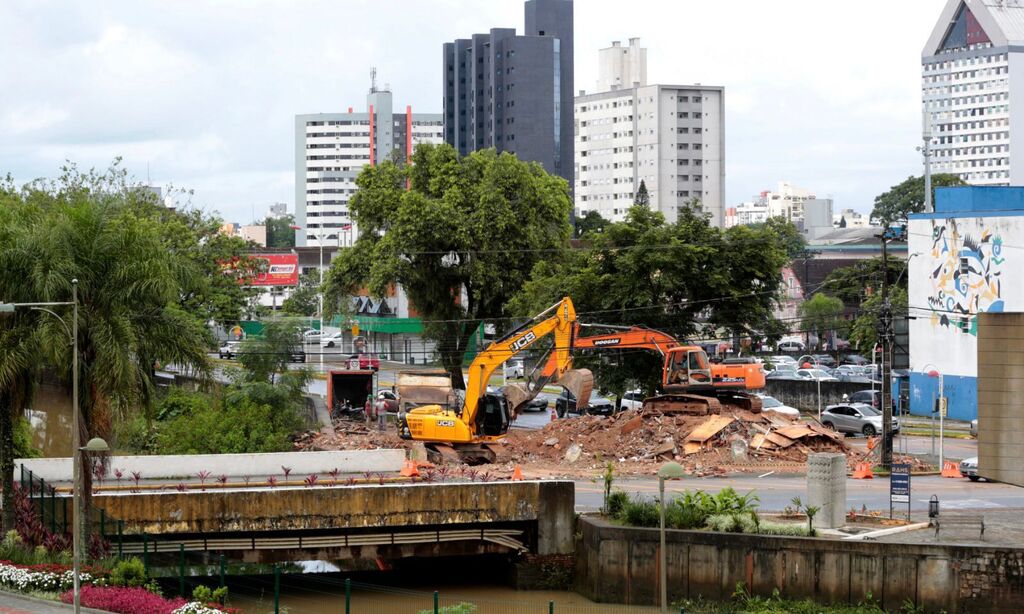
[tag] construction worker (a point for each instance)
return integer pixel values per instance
(381, 409)
(368, 409)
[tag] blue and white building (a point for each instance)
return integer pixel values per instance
(962, 263)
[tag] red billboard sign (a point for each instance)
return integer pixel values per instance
(276, 270)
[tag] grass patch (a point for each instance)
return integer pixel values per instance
(744, 603)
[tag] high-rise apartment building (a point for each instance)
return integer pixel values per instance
(670, 137)
(967, 67)
(787, 203)
(331, 149)
(514, 92)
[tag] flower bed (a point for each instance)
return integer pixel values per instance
(125, 600)
(49, 578)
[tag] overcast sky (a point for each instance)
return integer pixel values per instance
(820, 93)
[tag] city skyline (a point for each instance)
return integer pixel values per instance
(204, 97)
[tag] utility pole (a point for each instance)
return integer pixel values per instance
(926, 151)
(886, 337)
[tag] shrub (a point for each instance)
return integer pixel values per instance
(640, 513)
(49, 578)
(125, 600)
(205, 594)
(460, 608)
(782, 528)
(129, 573)
(181, 402)
(682, 515)
(615, 502)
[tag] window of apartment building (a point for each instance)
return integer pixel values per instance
(684, 99)
(683, 115)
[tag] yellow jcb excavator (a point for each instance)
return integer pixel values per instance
(483, 418)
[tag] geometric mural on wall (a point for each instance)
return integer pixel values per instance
(969, 278)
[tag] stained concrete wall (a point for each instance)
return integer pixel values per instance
(548, 504)
(186, 466)
(620, 565)
(1001, 397)
(804, 395)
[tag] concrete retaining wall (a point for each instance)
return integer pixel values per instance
(620, 565)
(804, 395)
(231, 465)
(549, 505)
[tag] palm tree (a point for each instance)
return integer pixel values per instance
(128, 290)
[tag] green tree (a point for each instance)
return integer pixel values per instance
(305, 300)
(461, 240)
(589, 223)
(854, 283)
(264, 358)
(864, 329)
(279, 231)
(87, 226)
(821, 314)
(788, 235)
(689, 279)
(642, 198)
(892, 207)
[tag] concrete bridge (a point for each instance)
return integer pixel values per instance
(357, 524)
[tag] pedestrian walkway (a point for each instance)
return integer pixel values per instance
(12, 603)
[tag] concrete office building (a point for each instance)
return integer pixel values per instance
(331, 149)
(514, 92)
(968, 87)
(670, 137)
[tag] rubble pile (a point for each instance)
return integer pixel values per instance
(704, 444)
(351, 435)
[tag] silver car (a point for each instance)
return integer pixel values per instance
(859, 418)
(969, 468)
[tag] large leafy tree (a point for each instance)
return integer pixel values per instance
(855, 283)
(461, 239)
(305, 300)
(591, 222)
(822, 314)
(892, 207)
(787, 233)
(279, 231)
(130, 284)
(687, 278)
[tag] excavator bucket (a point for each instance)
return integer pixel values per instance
(580, 382)
(518, 396)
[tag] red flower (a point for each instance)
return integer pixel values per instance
(124, 600)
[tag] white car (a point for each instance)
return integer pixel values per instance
(311, 335)
(772, 404)
(515, 369)
(332, 340)
(634, 399)
(782, 360)
(814, 375)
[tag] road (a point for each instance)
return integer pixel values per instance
(775, 492)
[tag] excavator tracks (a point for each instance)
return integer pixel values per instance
(700, 405)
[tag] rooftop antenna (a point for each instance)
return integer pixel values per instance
(373, 79)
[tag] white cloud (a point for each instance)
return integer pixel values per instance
(825, 94)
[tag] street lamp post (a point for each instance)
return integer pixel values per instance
(75, 435)
(95, 444)
(668, 471)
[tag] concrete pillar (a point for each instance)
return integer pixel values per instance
(826, 488)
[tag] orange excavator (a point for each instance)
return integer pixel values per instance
(689, 382)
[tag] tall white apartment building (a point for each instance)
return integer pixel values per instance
(786, 202)
(670, 137)
(331, 149)
(967, 84)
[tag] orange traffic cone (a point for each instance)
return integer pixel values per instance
(517, 474)
(950, 470)
(862, 471)
(554, 414)
(409, 470)
(872, 442)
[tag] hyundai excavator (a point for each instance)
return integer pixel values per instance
(689, 382)
(483, 417)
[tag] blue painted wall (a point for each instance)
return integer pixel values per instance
(961, 391)
(970, 199)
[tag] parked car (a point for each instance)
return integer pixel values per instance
(871, 397)
(781, 374)
(854, 359)
(634, 399)
(782, 360)
(974, 427)
(772, 404)
(230, 349)
(792, 347)
(537, 404)
(969, 468)
(312, 335)
(815, 375)
(296, 354)
(825, 360)
(855, 418)
(364, 362)
(566, 404)
(515, 369)
(332, 340)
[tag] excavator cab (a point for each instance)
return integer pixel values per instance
(689, 368)
(493, 415)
